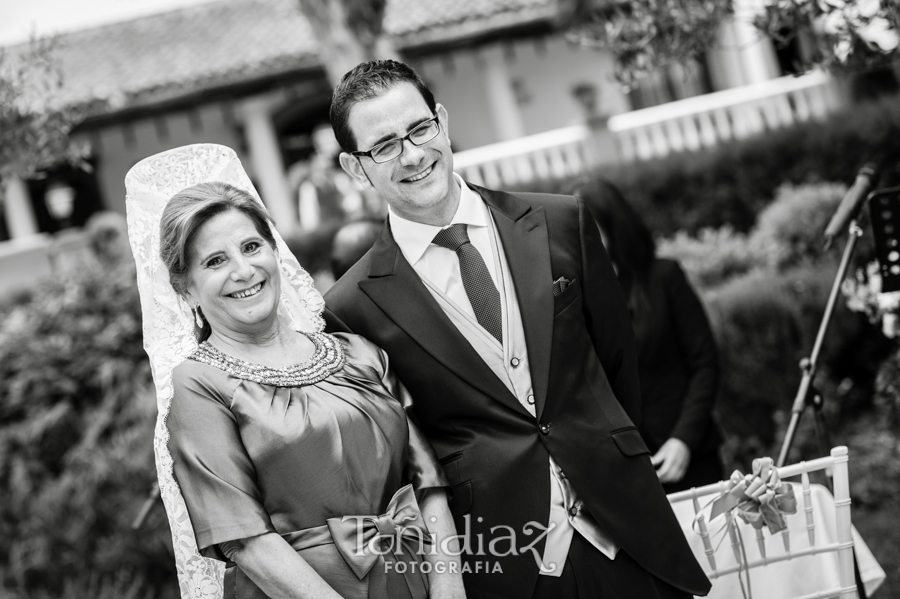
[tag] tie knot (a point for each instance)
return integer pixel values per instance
(453, 237)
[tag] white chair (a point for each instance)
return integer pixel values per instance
(814, 547)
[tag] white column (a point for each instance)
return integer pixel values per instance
(17, 208)
(502, 103)
(743, 55)
(268, 167)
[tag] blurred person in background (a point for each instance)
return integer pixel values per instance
(677, 355)
(351, 242)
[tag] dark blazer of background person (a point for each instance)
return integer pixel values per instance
(679, 374)
(581, 350)
(677, 354)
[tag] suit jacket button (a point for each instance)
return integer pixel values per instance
(545, 428)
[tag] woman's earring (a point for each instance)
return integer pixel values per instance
(198, 317)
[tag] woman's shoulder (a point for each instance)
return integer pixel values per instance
(359, 350)
(193, 380)
(192, 369)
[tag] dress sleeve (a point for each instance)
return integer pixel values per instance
(216, 476)
(700, 353)
(422, 468)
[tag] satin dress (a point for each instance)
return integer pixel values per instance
(295, 452)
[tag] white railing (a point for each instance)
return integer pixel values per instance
(551, 155)
(707, 120)
(685, 125)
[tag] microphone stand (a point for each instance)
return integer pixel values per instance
(807, 395)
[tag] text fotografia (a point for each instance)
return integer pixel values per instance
(442, 567)
(397, 539)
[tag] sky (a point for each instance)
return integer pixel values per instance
(19, 17)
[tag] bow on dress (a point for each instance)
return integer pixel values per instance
(398, 536)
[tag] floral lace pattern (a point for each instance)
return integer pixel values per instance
(168, 323)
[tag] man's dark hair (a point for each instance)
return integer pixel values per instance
(365, 81)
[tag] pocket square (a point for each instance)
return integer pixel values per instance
(560, 284)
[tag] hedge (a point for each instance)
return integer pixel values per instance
(77, 410)
(766, 292)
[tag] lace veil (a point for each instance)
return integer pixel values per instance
(168, 322)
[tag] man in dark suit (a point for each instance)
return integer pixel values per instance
(502, 316)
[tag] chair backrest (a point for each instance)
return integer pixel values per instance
(804, 524)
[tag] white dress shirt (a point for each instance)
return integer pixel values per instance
(438, 267)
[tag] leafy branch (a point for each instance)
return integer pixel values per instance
(34, 125)
(647, 35)
(851, 34)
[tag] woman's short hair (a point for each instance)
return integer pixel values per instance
(365, 81)
(188, 210)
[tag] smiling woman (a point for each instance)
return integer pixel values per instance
(216, 243)
(274, 429)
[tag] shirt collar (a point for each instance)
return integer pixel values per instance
(414, 238)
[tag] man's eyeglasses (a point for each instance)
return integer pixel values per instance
(392, 148)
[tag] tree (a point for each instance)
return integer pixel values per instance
(34, 127)
(852, 34)
(645, 35)
(349, 32)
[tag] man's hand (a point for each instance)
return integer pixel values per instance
(672, 460)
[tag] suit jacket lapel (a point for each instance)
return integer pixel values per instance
(523, 232)
(397, 289)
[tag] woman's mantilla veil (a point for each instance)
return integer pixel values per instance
(168, 324)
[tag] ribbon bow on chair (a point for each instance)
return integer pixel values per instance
(759, 498)
(357, 539)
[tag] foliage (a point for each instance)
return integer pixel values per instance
(34, 129)
(789, 230)
(646, 35)
(766, 293)
(765, 322)
(77, 411)
(851, 34)
(757, 327)
(713, 256)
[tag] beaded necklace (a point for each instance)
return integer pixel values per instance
(327, 359)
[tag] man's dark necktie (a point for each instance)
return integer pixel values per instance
(476, 278)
